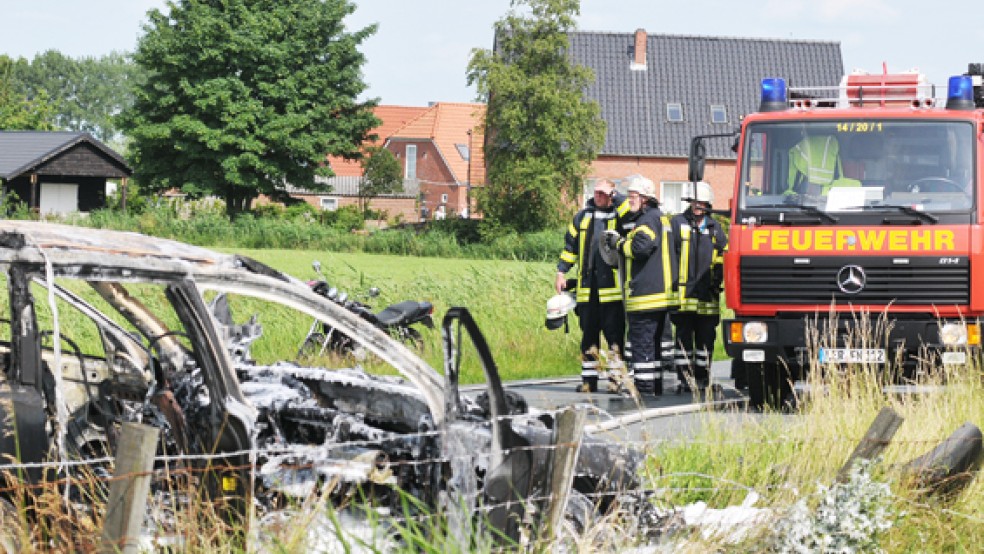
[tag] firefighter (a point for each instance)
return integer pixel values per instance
(702, 243)
(651, 270)
(599, 298)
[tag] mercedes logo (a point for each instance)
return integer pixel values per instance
(851, 279)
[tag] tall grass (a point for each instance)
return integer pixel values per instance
(784, 457)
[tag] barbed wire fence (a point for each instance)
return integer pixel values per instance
(656, 486)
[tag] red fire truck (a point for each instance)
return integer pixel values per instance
(856, 233)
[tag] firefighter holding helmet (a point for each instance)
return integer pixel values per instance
(702, 244)
(599, 298)
(651, 274)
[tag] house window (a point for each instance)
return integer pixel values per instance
(463, 151)
(410, 168)
(671, 194)
(444, 198)
(329, 204)
(674, 111)
(718, 113)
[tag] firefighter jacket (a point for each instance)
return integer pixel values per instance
(702, 246)
(651, 261)
(582, 247)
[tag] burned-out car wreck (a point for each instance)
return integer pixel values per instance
(109, 327)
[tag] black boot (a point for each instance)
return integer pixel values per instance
(588, 384)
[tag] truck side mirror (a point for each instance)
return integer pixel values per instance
(698, 155)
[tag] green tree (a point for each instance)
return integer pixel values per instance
(243, 97)
(382, 174)
(18, 111)
(542, 134)
(86, 94)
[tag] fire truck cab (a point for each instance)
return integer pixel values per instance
(856, 233)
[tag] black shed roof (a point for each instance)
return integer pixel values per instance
(696, 72)
(31, 151)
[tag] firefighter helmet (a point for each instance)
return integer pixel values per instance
(643, 186)
(557, 308)
(702, 193)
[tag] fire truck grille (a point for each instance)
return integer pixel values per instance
(876, 280)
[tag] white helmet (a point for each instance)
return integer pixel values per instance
(557, 308)
(704, 193)
(643, 186)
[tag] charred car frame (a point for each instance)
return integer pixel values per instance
(260, 433)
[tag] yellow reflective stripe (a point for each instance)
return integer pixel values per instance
(684, 263)
(708, 308)
(572, 230)
(645, 229)
(609, 294)
(568, 256)
(622, 208)
(667, 269)
(656, 301)
(688, 304)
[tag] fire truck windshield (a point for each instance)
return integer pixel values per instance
(858, 168)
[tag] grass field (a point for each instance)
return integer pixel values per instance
(507, 299)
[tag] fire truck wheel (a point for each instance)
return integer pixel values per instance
(769, 385)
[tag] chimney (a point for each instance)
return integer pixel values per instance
(639, 61)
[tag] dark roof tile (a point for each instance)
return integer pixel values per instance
(695, 71)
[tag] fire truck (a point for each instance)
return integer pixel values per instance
(856, 230)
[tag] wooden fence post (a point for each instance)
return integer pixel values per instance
(880, 433)
(128, 493)
(568, 431)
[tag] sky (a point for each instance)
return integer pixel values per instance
(420, 51)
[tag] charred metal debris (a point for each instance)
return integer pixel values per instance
(262, 434)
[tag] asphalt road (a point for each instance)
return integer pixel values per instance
(671, 416)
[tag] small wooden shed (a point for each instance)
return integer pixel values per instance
(58, 171)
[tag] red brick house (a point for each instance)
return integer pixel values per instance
(442, 150)
(348, 173)
(658, 91)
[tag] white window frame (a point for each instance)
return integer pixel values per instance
(671, 195)
(444, 198)
(672, 107)
(719, 109)
(410, 165)
(328, 203)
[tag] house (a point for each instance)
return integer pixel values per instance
(345, 183)
(441, 149)
(658, 91)
(58, 171)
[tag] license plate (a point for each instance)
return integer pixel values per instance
(852, 355)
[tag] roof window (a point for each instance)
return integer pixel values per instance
(674, 111)
(719, 114)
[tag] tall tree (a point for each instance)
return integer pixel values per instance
(542, 133)
(243, 97)
(382, 174)
(18, 111)
(86, 94)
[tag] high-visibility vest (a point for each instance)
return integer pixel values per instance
(815, 160)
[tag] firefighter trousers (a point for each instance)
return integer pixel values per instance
(694, 346)
(597, 318)
(645, 335)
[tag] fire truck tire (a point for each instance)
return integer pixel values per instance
(739, 373)
(768, 384)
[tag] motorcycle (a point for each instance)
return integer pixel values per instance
(395, 320)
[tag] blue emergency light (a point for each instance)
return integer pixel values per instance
(773, 95)
(960, 93)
